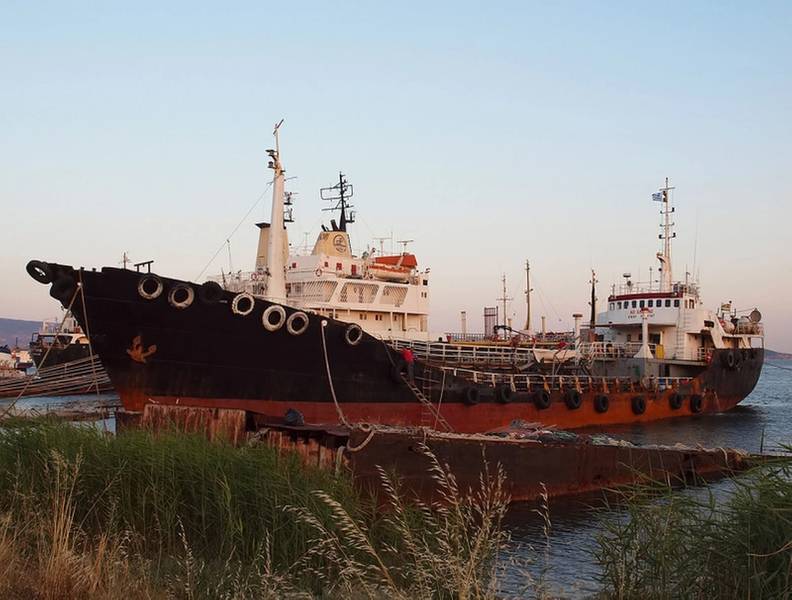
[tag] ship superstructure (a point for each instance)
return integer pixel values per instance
(387, 295)
(665, 322)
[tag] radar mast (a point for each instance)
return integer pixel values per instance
(667, 226)
(339, 193)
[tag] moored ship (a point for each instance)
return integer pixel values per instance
(58, 342)
(322, 335)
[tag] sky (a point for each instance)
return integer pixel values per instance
(488, 134)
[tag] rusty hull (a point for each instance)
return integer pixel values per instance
(564, 468)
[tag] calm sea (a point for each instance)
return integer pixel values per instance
(566, 559)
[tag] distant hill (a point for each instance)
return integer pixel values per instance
(773, 355)
(12, 330)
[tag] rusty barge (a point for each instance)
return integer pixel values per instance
(534, 460)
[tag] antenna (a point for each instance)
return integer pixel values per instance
(663, 195)
(339, 193)
(404, 244)
(593, 304)
(528, 290)
(504, 299)
(288, 211)
(381, 241)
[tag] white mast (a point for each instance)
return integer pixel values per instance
(528, 291)
(276, 259)
(666, 276)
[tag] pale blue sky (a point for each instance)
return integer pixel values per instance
(489, 134)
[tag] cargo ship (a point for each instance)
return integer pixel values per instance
(320, 338)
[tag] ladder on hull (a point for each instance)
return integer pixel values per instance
(427, 404)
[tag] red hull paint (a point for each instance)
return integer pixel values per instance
(463, 418)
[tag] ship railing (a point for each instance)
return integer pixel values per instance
(582, 383)
(609, 350)
(645, 287)
(465, 354)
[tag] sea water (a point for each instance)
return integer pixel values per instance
(565, 560)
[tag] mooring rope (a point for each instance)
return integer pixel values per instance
(88, 334)
(440, 400)
(340, 412)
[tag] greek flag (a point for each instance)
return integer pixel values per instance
(657, 196)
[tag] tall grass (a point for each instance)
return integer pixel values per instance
(87, 515)
(683, 546)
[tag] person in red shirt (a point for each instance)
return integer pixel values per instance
(409, 361)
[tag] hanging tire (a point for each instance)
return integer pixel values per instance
(472, 396)
(181, 296)
(541, 399)
(638, 404)
(504, 393)
(572, 399)
(728, 359)
(150, 287)
(210, 292)
(696, 403)
(601, 403)
(243, 304)
(353, 334)
(297, 323)
(675, 401)
(40, 271)
(279, 314)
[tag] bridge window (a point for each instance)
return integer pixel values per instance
(634, 304)
(676, 303)
(651, 303)
(612, 306)
(641, 304)
(668, 303)
(618, 305)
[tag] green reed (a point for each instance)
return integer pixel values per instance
(85, 514)
(691, 545)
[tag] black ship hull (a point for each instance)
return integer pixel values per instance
(156, 350)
